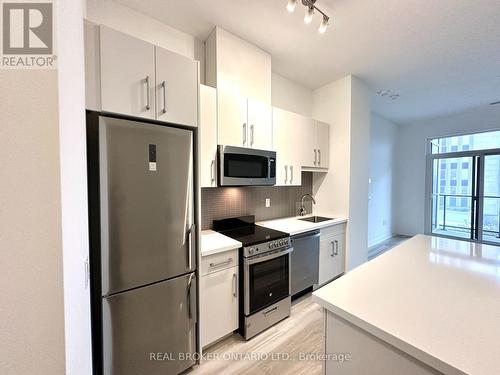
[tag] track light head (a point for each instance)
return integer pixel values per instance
(324, 25)
(309, 15)
(291, 5)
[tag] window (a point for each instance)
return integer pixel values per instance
(465, 189)
(470, 142)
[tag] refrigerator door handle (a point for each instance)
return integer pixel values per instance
(190, 303)
(191, 232)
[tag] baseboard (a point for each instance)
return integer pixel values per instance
(380, 239)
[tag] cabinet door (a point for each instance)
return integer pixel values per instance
(331, 257)
(219, 304)
(127, 74)
(285, 139)
(259, 125)
(281, 145)
(208, 135)
(306, 148)
(323, 144)
(232, 119)
(176, 88)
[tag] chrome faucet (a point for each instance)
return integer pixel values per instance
(303, 211)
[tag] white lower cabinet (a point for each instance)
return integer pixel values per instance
(331, 254)
(219, 304)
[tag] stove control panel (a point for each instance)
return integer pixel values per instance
(264, 247)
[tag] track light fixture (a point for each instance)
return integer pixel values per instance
(309, 15)
(311, 8)
(324, 25)
(291, 5)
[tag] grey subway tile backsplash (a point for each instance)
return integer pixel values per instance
(223, 202)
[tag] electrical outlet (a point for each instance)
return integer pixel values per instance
(268, 202)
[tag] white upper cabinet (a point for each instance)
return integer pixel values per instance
(127, 74)
(235, 65)
(323, 144)
(286, 137)
(241, 72)
(243, 122)
(316, 144)
(232, 119)
(176, 88)
(259, 125)
(208, 136)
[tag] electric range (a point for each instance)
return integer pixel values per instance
(264, 269)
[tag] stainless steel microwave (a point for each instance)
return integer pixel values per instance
(239, 166)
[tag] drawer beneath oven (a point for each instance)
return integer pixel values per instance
(219, 261)
(265, 318)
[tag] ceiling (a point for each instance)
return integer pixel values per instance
(440, 56)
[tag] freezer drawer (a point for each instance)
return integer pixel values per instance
(304, 261)
(146, 203)
(145, 329)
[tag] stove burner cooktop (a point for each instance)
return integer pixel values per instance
(243, 229)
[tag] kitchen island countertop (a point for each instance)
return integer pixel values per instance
(436, 299)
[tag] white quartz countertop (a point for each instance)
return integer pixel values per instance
(434, 298)
(213, 242)
(293, 225)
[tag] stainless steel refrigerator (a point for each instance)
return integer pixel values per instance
(143, 251)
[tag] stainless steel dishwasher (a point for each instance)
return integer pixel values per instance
(304, 261)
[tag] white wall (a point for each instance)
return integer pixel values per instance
(72, 137)
(383, 138)
(359, 172)
(31, 266)
(343, 191)
(126, 20)
(410, 160)
(291, 96)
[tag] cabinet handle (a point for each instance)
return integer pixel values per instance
(235, 285)
(251, 134)
(315, 156)
(244, 133)
(291, 173)
(336, 251)
(214, 265)
(148, 102)
(164, 87)
(286, 173)
(319, 156)
(212, 174)
(333, 248)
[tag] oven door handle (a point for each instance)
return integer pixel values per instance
(264, 258)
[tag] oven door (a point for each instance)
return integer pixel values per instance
(266, 279)
(239, 166)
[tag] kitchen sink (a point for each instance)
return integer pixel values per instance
(316, 219)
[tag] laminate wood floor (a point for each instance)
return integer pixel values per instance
(300, 333)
